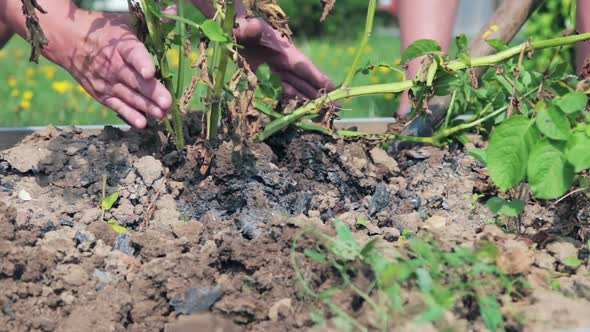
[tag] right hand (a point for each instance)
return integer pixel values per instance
(103, 54)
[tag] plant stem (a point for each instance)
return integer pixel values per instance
(314, 106)
(450, 110)
(363, 43)
(176, 117)
(224, 54)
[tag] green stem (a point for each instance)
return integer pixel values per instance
(363, 44)
(224, 55)
(314, 106)
(493, 59)
(450, 110)
(341, 93)
(176, 116)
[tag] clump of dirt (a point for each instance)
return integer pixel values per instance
(214, 251)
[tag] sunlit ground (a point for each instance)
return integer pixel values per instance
(46, 94)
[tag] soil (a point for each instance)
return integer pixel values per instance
(213, 252)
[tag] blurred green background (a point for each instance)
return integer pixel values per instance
(45, 93)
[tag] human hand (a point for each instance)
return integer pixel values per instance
(103, 54)
(263, 44)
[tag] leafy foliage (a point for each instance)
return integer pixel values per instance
(444, 280)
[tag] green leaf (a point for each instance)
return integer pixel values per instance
(213, 31)
(478, 154)
(550, 175)
(109, 201)
(116, 227)
(445, 83)
(498, 44)
(508, 152)
(490, 312)
(461, 42)
(506, 208)
(572, 262)
(419, 48)
(578, 151)
(263, 72)
(316, 256)
(572, 102)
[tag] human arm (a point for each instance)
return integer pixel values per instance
(102, 53)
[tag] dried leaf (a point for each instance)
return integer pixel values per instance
(201, 75)
(272, 13)
(35, 35)
(328, 6)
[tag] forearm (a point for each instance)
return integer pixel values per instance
(59, 14)
(583, 51)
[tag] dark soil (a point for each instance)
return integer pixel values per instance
(214, 252)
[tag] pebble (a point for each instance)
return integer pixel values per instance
(281, 308)
(123, 244)
(84, 236)
(562, 250)
(381, 199)
(195, 300)
(149, 168)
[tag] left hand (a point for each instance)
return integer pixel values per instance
(263, 44)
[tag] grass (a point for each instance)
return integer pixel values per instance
(37, 95)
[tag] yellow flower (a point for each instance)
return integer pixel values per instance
(2, 54)
(30, 72)
(351, 50)
(384, 70)
(15, 93)
(210, 52)
(174, 57)
(12, 82)
(28, 95)
(389, 96)
(194, 56)
(25, 104)
(61, 87)
(49, 71)
(83, 91)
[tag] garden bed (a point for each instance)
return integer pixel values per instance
(215, 251)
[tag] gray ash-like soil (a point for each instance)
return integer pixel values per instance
(213, 252)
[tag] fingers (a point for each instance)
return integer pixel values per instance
(137, 101)
(301, 85)
(130, 115)
(150, 88)
(292, 91)
(139, 59)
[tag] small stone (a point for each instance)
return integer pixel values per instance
(544, 260)
(562, 250)
(83, 237)
(391, 234)
(196, 300)
(420, 154)
(381, 199)
(67, 223)
(104, 278)
(123, 244)
(149, 168)
(409, 221)
(384, 162)
(280, 309)
(24, 195)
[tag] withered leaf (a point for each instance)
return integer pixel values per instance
(328, 6)
(272, 13)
